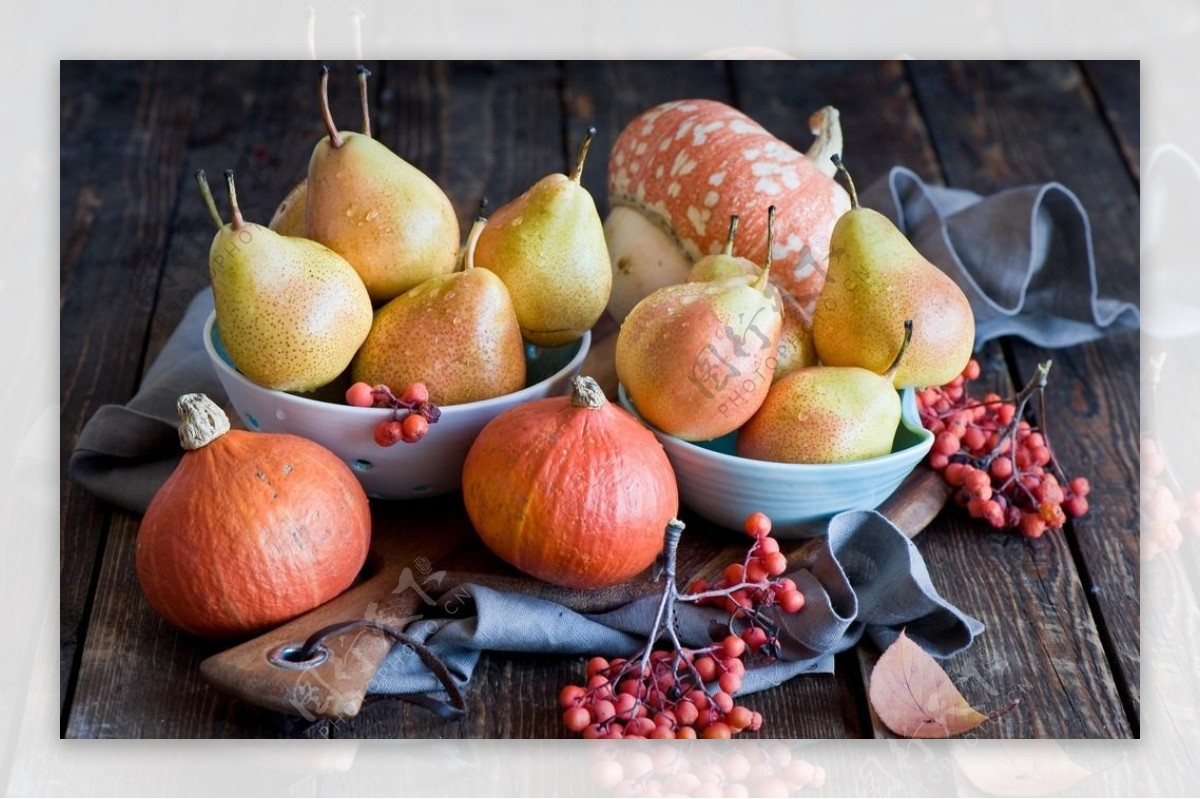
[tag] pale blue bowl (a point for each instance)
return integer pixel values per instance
(723, 488)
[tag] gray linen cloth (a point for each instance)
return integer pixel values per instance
(867, 578)
(1023, 257)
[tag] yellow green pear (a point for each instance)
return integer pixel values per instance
(456, 333)
(795, 349)
(291, 312)
(876, 280)
(826, 414)
(394, 225)
(548, 247)
(696, 359)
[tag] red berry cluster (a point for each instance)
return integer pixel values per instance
(667, 700)
(683, 692)
(1003, 467)
(412, 412)
(746, 589)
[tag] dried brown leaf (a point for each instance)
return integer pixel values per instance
(915, 698)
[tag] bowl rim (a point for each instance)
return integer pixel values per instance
(524, 394)
(908, 405)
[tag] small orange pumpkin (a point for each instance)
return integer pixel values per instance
(572, 490)
(250, 530)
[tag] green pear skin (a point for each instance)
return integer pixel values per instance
(876, 280)
(291, 312)
(548, 247)
(823, 414)
(456, 333)
(697, 358)
(394, 225)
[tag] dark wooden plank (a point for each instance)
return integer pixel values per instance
(610, 94)
(881, 124)
(1117, 87)
(253, 119)
(998, 125)
(479, 129)
(124, 138)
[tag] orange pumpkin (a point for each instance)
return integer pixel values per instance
(572, 490)
(250, 530)
(677, 173)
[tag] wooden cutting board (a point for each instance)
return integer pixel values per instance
(421, 549)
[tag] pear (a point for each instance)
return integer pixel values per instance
(291, 312)
(826, 414)
(795, 349)
(876, 280)
(697, 358)
(289, 217)
(548, 247)
(457, 333)
(393, 224)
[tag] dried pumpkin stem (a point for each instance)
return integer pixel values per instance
(201, 421)
(587, 393)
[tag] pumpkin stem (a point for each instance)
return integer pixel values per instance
(201, 421)
(587, 393)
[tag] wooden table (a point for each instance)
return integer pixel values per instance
(1062, 613)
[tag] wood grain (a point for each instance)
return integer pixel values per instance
(1034, 122)
(881, 124)
(125, 636)
(1117, 88)
(124, 140)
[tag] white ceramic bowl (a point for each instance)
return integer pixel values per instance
(725, 489)
(427, 468)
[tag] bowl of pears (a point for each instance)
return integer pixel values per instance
(764, 406)
(356, 320)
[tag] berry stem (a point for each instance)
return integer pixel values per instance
(1035, 384)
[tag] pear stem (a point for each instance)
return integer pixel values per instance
(209, 201)
(472, 239)
(733, 226)
(908, 330)
(761, 283)
(577, 175)
(363, 74)
(334, 139)
(238, 222)
(837, 161)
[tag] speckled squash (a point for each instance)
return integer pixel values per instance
(250, 530)
(679, 170)
(571, 490)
